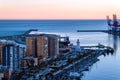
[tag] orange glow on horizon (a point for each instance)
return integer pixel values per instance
(58, 9)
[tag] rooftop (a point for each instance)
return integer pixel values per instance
(11, 42)
(7, 42)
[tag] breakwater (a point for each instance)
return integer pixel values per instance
(115, 32)
(92, 31)
(18, 38)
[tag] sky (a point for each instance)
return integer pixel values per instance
(58, 9)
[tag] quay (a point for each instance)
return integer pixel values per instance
(65, 64)
(78, 66)
(82, 64)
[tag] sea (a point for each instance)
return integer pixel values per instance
(107, 68)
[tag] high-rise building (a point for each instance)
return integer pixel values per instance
(9, 54)
(31, 46)
(37, 46)
(53, 45)
(42, 45)
(22, 52)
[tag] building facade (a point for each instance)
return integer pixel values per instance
(42, 46)
(10, 55)
(37, 47)
(53, 45)
(31, 45)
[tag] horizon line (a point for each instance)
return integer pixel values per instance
(52, 19)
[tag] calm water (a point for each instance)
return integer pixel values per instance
(108, 68)
(18, 26)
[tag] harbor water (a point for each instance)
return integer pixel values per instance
(107, 68)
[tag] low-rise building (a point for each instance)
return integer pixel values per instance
(5, 73)
(76, 48)
(64, 41)
(28, 62)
